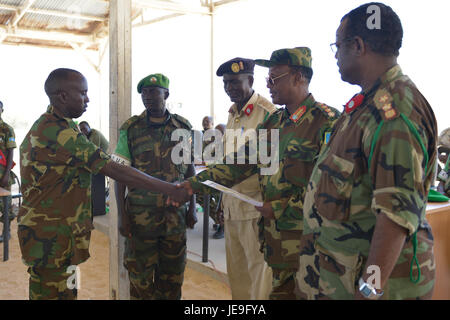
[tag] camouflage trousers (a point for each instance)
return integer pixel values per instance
(156, 267)
(324, 274)
(51, 284)
(281, 250)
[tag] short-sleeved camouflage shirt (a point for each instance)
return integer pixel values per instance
(7, 141)
(380, 158)
(56, 163)
(148, 146)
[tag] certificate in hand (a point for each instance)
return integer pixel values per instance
(232, 192)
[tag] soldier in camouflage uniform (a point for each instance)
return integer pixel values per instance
(365, 230)
(303, 127)
(56, 163)
(7, 145)
(155, 254)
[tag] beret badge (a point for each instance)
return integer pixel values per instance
(235, 67)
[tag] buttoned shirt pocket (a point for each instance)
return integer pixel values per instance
(333, 196)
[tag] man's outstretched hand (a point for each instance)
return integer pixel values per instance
(266, 210)
(180, 194)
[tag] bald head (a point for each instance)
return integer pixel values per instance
(207, 123)
(67, 91)
(57, 80)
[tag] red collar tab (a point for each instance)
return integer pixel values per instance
(354, 103)
(298, 114)
(248, 109)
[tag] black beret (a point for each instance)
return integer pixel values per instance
(236, 66)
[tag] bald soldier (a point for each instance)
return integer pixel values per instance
(155, 247)
(365, 231)
(56, 163)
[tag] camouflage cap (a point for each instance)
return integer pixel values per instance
(236, 66)
(299, 56)
(154, 80)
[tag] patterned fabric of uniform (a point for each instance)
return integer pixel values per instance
(97, 138)
(7, 141)
(54, 287)
(156, 267)
(147, 147)
(156, 253)
(344, 197)
(56, 163)
(300, 141)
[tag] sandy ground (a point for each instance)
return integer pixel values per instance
(95, 275)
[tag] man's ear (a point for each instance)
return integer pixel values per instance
(62, 96)
(360, 46)
(166, 95)
(250, 81)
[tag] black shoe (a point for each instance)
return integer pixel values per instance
(219, 233)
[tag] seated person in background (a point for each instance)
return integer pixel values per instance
(94, 136)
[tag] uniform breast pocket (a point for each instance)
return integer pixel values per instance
(335, 188)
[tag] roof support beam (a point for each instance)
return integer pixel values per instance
(169, 16)
(38, 34)
(21, 12)
(55, 13)
(168, 6)
(82, 50)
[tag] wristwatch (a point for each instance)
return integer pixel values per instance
(368, 291)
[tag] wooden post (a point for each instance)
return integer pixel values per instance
(119, 112)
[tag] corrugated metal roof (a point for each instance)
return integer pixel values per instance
(56, 22)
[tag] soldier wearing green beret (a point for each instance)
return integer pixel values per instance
(303, 127)
(365, 231)
(155, 254)
(56, 164)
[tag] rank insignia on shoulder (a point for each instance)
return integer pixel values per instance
(248, 110)
(235, 67)
(298, 114)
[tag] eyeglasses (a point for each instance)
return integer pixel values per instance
(271, 80)
(335, 46)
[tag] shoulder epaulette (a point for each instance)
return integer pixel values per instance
(265, 104)
(330, 112)
(182, 120)
(384, 102)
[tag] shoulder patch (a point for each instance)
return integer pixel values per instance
(182, 120)
(330, 112)
(384, 102)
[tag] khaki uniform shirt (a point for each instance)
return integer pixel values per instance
(234, 209)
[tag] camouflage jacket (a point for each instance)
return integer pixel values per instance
(56, 163)
(301, 136)
(7, 141)
(147, 147)
(379, 159)
(97, 138)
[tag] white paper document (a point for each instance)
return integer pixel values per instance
(232, 192)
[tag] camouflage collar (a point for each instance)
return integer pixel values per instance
(301, 110)
(72, 124)
(1, 120)
(392, 74)
(157, 124)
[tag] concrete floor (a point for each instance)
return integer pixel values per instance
(216, 261)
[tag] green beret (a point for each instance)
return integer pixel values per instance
(236, 66)
(154, 80)
(299, 56)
